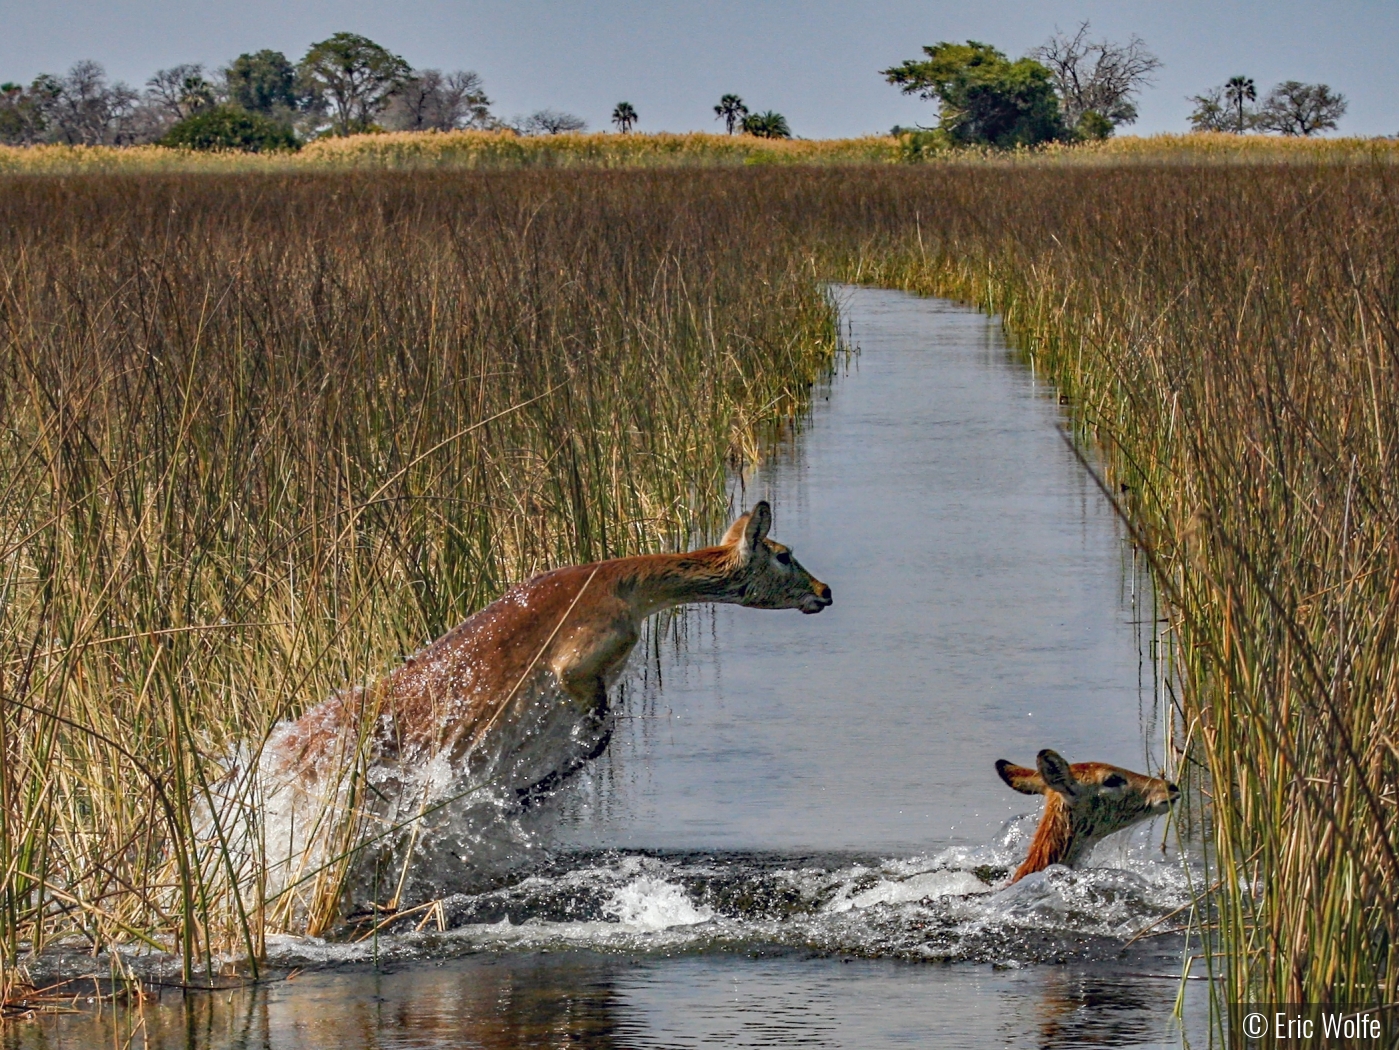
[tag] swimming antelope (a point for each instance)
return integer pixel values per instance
(530, 672)
(1084, 803)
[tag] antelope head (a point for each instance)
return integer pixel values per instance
(764, 571)
(1084, 803)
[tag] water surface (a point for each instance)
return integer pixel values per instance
(981, 611)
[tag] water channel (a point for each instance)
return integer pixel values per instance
(796, 833)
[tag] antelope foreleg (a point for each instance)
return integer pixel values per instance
(593, 696)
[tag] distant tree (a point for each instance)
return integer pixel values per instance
(1226, 107)
(550, 122)
(25, 112)
(264, 82)
(230, 127)
(624, 116)
(12, 118)
(356, 78)
(1211, 112)
(1294, 108)
(82, 108)
(983, 97)
(731, 111)
(1238, 92)
(1094, 127)
(767, 125)
(1096, 77)
(431, 101)
(180, 91)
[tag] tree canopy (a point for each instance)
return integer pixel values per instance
(355, 76)
(181, 90)
(550, 122)
(624, 116)
(263, 82)
(230, 127)
(1097, 81)
(344, 84)
(430, 100)
(1227, 107)
(984, 98)
(1239, 91)
(1291, 108)
(1294, 108)
(731, 111)
(767, 125)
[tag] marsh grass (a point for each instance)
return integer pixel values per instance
(262, 436)
(469, 150)
(1230, 339)
(265, 434)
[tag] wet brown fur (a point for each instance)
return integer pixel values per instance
(1083, 805)
(572, 628)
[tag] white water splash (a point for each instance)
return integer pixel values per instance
(926, 886)
(654, 904)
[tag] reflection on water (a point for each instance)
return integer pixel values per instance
(797, 835)
(587, 999)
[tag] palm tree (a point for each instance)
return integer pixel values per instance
(731, 111)
(767, 125)
(624, 116)
(1237, 90)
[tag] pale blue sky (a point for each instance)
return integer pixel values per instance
(814, 61)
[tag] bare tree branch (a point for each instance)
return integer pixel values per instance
(549, 122)
(1097, 76)
(431, 101)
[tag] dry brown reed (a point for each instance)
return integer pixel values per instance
(1230, 338)
(264, 435)
(239, 471)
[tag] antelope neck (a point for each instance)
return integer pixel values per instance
(1054, 837)
(662, 581)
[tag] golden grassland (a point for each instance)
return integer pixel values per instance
(489, 150)
(264, 433)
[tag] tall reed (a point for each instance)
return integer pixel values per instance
(264, 435)
(1230, 338)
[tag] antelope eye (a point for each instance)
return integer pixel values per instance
(783, 558)
(1114, 781)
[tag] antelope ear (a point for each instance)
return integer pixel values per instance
(1025, 781)
(735, 531)
(759, 522)
(750, 530)
(1056, 772)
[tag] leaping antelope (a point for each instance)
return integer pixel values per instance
(1084, 803)
(531, 671)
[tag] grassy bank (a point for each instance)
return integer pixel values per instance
(480, 150)
(265, 435)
